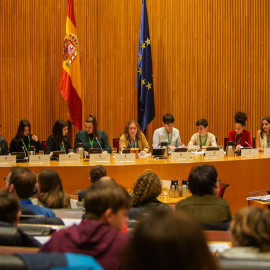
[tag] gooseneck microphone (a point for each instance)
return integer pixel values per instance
(248, 144)
(24, 151)
(98, 143)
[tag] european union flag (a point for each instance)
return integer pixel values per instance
(146, 102)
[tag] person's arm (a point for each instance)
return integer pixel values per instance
(4, 147)
(67, 145)
(178, 141)
(145, 145)
(213, 141)
(258, 136)
(105, 142)
(192, 141)
(36, 144)
(49, 145)
(123, 143)
(156, 140)
(13, 146)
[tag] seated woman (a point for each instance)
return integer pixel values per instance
(58, 141)
(203, 138)
(23, 141)
(203, 205)
(91, 137)
(250, 231)
(133, 137)
(145, 192)
(263, 135)
(50, 191)
(167, 240)
(3, 144)
(240, 136)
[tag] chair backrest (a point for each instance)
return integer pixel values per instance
(222, 188)
(10, 236)
(254, 142)
(225, 142)
(116, 143)
(259, 193)
(44, 144)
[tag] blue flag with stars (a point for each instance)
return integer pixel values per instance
(144, 84)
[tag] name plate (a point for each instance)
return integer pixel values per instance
(69, 158)
(8, 159)
(214, 154)
(249, 152)
(99, 158)
(125, 157)
(180, 156)
(266, 151)
(39, 159)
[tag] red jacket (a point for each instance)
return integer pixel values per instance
(245, 138)
(92, 238)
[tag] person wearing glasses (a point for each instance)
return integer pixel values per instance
(203, 138)
(203, 205)
(168, 133)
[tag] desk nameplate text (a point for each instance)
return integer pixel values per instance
(266, 151)
(7, 159)
(180, 156)
(124, 157)
(69, 158)
(249, 152)
(39, 159)
(99, 158)
(214, 154)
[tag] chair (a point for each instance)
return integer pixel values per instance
(222, 188)
(116, 143)
(44, 144)
(254, 142)
(226, 139)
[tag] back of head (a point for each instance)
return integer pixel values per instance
(147, 186)
(51, 193)
(168, 119)
(23, 181)
(97, 172)
(202, 180)
(9, 207)
(167, 240)
(240, 118)
(251, 227)
(102, 196)
(202, 122)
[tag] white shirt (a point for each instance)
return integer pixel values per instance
(162, 135)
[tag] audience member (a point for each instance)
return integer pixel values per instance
(22, 183)
(99, 235)
(251, 228)
(203, 205)
(168, 133)
(95, 174)
(145, 192)
(167, 240)
(10, 216)
(50, 191)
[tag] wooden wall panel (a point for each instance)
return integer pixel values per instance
(210, 59)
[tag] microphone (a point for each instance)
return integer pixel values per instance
(24, 151)
(98, 143)
(248, 144)
(63, 146)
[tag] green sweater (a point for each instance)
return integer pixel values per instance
(206, 209)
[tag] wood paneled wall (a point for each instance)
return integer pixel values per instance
(210, 59)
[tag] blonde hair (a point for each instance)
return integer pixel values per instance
(147, 186)
(251, 227)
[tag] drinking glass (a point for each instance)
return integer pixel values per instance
(114, 150)
(70, 151)
(41, 152)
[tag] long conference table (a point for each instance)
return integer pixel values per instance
(242, 174)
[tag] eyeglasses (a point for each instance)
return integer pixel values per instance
(218, 180)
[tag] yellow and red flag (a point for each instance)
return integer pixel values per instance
(70, 84)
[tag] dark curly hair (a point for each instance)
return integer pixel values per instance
(147, 186)
(240, 118)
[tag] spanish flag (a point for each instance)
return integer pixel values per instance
(70, 84)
